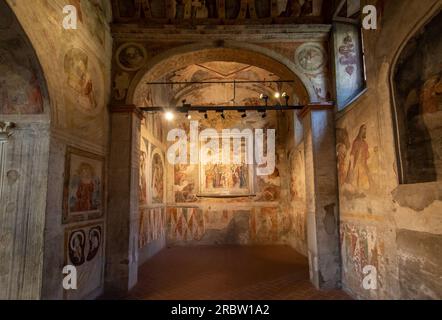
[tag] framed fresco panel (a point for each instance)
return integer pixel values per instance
(219, 178)
(84, 249)
(83, 192)
(157, 178)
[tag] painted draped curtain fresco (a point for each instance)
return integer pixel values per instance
(349, 68)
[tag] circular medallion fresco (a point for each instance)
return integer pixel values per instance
(310, 57)
(131, 56)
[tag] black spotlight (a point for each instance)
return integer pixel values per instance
(223, 115)
(206, 116)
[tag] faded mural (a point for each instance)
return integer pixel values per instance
(349, 66)
(236, 10)
(21, 80)
(357, 162)
(84, 250)
(361, 246)
(152, 225)
(418, 97)
(84, 186)
(218, 203)
(151, 193)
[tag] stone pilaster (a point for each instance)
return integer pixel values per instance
(24, 153)
(322, 196)
(122, 218)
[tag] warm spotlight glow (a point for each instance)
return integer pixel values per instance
(277, 95)
(169, 115)
(188, 116)
(263, 96)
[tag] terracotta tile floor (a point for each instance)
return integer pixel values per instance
(228, 273)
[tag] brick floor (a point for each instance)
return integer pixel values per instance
(228, 273)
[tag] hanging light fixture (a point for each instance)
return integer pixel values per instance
(264, 97)
(286, 97)
(169, 115)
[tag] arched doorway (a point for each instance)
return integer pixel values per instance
(24, 154)
(197, 208)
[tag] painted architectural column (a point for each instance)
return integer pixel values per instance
(122, 219)
(322, 196)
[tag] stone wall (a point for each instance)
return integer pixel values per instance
(76, 67)
(152, 188)
(382, 221)
(24, 101)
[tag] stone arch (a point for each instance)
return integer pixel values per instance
(225, 51)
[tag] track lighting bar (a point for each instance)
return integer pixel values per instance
(219, 82)
(186, 109)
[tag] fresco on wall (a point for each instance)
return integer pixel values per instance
(226, 180)
(157, 186)
(83, 82)
(296, 219)
(348, 63)
(92, 13)
(360, 246)
(235, 10)
(84, 186)
(264, 225)
(311, 60)
(185, 185)
(418, 102)
(20, 90)
(22, 85)
(121, 85)
(142, 186)
(84, 250)
(268, 187)
(152, 225)
(354, 172)
(215, 226)
(131, 56)
(185, 224)
(297, 175)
